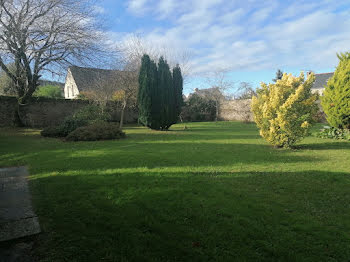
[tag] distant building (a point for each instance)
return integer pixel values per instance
(210, 93)
(81, 79)
(321, 82)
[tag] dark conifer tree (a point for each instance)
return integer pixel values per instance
(160, 94)
(178, 88)
(165, 89)
(145, 89)
(279, 75)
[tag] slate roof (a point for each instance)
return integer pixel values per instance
(87, 78)
(321, 80)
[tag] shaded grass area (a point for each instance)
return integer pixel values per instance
(213, 192)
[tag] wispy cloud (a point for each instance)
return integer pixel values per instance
(250, 35)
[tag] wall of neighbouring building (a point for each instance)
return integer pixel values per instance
(236, 110)
(42, 112)
(240, 110)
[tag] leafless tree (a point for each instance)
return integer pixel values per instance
(127, 92)
(44, 35)
(220, 86)
(130, 52)
(245, 91)
(134, 47)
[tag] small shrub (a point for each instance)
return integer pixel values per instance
(83, 117)
(198, 108)
(284, 111)
(51, 131)
(70, 124)
(91, 113)
(334, 133)
(96, 131)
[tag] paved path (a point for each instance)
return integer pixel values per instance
(17, 218)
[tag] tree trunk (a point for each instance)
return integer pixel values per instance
(122, 115)
(217, 111)
(17, 117)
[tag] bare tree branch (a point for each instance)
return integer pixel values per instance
(45, 35)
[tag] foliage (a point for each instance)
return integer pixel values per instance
(148, 101)
(49, 91)
(96, 131)
(160, 94)
(86, 95)
(91, 113)
(285, 111)
(52, 131)
(85, 116)
(7, 86)
(336, 96)
(279, 75)
(178, 92)
(334, 133)
(198, 108)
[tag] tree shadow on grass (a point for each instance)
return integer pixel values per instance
(107, 155)
(324, 146)
(194, 216)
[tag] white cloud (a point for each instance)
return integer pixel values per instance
(251, 35)
(99, 9)
(137, 6)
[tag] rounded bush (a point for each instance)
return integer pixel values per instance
(284, 111)
(96, 131)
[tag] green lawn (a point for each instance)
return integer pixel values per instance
(213, 192)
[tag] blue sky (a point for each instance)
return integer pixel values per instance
(250, 39)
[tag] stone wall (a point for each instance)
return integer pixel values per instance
(238, 110)
(42, 112)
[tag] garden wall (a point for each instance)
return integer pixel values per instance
(238, 110)
(42, 112)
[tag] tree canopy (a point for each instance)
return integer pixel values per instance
(336, 96)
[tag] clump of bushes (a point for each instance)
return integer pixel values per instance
(284, 111)
(334, 133)
(197, 108)
(90, 117)
(96, 131)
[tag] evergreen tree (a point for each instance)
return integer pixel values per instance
(279, 75)
(160, 94)
(336, 97)
(178, 88)
(145, 91)
(156, 104)
(165, 85)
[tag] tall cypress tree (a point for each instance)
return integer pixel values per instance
(165, 88)
(178, 88)
(145, 91)
(156, 107)
(160, 94)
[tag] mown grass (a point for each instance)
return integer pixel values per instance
(213, 192)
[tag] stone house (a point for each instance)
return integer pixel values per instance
(82, 79)
(321, 82)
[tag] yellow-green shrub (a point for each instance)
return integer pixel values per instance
(284, 111)
(336, 96)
